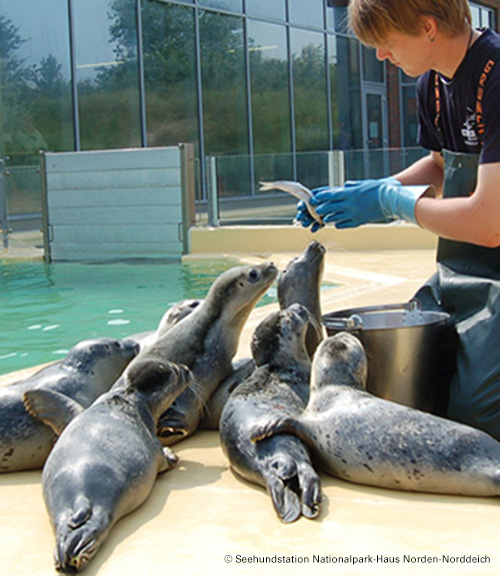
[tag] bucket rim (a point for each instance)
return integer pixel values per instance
(340, 320)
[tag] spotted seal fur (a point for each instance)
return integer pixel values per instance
(278, 387)
(364, 439)
(89, 369)
(107, 458)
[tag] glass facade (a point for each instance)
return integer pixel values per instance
(169, 61)
(35, 94)
(106, 69)
(266, 83)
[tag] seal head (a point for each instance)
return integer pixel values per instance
(300, 283)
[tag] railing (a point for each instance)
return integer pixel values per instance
(233, 197)
(3, 208)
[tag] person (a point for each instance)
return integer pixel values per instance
(458, 91)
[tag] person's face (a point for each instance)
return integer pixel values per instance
(413, 54)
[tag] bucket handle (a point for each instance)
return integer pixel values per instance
(355, 322)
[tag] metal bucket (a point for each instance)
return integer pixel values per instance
(410, 351)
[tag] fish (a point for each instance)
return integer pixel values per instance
(295, 189)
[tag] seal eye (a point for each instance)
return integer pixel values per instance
(253, 275)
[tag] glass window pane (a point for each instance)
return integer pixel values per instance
(476, 16)
(308, 13)
(170, 74)
(224, 94)
(269, 87)
(231, 5)
(35, 87)
(309, 88)
(107, 73)
(270, 97)
(266, 9)
(410, 118)
(337, 19)
(373, 69)
(345, 82)
(36, 111)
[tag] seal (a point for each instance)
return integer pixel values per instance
(106, 460)
(367, 440)
(279, 387)
(206, 341)
(300, 283)
(89, 369)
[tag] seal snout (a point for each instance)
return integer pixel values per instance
(314, 250)
(299, 312)
(129, 346)
(271, 271)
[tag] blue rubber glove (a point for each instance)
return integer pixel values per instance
(303, 216)
(368, 201)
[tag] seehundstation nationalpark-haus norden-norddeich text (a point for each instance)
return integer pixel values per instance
(366, 559)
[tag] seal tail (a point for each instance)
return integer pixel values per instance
(273, 426)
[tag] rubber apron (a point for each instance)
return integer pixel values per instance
(467, 286)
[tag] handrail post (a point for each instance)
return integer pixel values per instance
(3, 207)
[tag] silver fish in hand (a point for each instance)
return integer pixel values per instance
(295, 189)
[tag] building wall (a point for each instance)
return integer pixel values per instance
(263, 83)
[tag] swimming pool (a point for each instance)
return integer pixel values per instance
(45, 309)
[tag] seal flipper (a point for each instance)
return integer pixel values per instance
(282, 487)
(169, 461)
(172, 425)
(310, 488)
(272, 426)
(52, 408)
(285, 501)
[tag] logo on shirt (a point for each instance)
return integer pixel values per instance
(469, 129)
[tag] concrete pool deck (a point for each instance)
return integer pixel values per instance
(203, 519)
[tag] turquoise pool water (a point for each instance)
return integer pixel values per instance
(45, 309)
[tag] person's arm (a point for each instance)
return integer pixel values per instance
(474, 219)
(427, 170)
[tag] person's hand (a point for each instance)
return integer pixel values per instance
(303, 216)
(367, 201)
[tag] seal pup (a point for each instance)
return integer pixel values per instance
(89, 369)
(206, 341)
(300, 283)
(105, 462)
(279, 387)
(367, 440)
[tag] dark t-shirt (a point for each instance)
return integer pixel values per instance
(458, 104)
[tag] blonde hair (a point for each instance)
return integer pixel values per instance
(373, 20)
